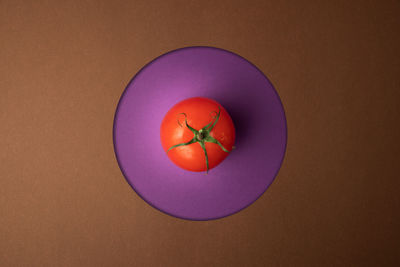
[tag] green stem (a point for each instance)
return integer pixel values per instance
(203, 146)
(202, 136)
(183, 144)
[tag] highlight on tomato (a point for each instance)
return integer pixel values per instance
(197, 134)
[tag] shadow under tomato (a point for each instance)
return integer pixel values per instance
(244, 110)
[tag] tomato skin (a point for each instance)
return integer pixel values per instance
(200, 111)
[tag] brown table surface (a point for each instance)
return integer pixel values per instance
(64, 65)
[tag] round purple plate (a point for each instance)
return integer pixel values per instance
(254, 106)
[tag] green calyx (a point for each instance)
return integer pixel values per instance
(202, 136)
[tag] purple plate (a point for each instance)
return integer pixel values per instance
(254, 106)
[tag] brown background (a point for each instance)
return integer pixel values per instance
(64, 65)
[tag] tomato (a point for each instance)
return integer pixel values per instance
(197, 134)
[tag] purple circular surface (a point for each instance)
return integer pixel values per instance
(249, 98)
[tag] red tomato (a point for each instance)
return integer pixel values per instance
(197, 134)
